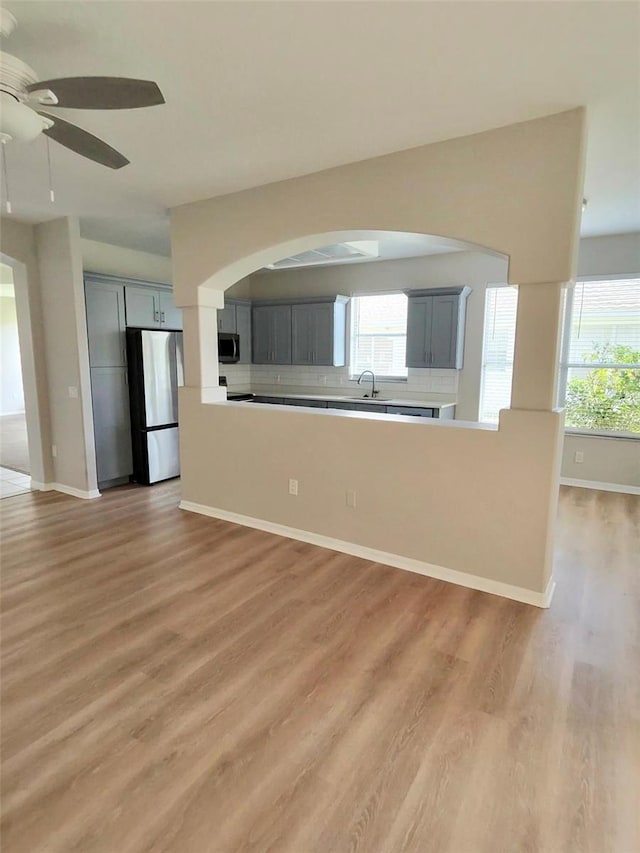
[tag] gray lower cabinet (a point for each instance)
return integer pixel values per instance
(357, 407)
(310, 404)
(105, 323)
(111, 424)
(151, 308)
(271, 334)
(435, 327)
(412, 411)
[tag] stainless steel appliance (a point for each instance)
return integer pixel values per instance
(228, 347)
(155, 373)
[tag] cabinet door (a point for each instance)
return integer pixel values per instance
(143, 308)
(111, 425)
(321, 327)
(444, 332)
(243, 327)
(411, 411)
(105, 324)
(227, 319)
(309, 404)
(419, 313)
(170, 314)
(261, 334)
(281, 319)
(302, 334)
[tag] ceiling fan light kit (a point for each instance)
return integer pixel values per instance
(19, 122)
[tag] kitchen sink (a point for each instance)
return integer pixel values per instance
(367, 399)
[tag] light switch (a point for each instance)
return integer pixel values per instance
(73, 392)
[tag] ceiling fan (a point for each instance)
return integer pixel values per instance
(24, 101)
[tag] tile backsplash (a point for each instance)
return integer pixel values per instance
(421, 383)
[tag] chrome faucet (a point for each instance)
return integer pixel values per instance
(373, 381)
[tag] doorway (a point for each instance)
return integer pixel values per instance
(15, 465)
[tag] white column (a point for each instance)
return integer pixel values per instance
(200, 324)
(537, 346)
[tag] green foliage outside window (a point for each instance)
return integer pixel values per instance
(607, 398)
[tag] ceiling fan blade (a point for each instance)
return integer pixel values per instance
(84, 143)
(101, 93)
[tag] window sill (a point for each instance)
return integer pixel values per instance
(592, 433)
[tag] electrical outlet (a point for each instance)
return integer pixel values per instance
(322, 380)
(293, 487)
(278, 379)
(73, 392)
(54, 450)
(578, 456)
(351, 498)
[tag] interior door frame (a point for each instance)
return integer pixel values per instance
(27, 364)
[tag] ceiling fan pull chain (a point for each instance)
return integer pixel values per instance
(52, 195)
(4, 175)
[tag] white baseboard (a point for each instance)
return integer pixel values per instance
(505, 590)
(602, 487)
(67, 490)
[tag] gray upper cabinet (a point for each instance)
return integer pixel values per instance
(151, 308)
(105, 323)
(227, 318)
(235, 318)
(435, 327)
(316, 332)
(271, 332)
(143, 307)
(243, 328)
(170, 314)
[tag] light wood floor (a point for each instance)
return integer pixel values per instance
(176, 683)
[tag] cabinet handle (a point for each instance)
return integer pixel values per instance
(162, 316)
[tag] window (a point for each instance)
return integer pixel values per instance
(500, 308)
(599, 381)
(379, 334)
(600, 364)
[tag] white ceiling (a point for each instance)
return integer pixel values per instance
(258, 92)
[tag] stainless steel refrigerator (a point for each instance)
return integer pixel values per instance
(155, 373)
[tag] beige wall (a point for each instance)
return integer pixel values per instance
(445, 490)
(472, 189)
(66, 350)
(424, 491)
(115, 260)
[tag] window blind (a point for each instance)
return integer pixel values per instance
(379, 334)
(600, 365)
(501, 305)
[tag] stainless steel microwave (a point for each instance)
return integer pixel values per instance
(228, 348)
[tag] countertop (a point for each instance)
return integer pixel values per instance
(379, 401)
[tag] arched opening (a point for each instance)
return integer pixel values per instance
(357, 265)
